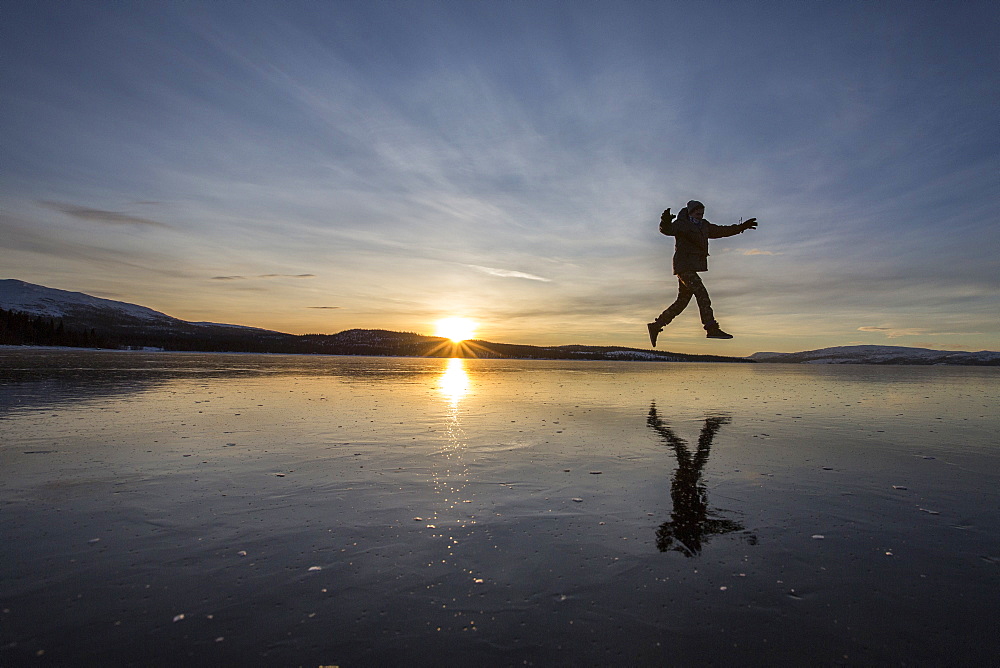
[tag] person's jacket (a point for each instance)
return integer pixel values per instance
(691, 240)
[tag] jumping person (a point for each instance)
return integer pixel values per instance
(691, 233)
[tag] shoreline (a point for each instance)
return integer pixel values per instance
(737, 361)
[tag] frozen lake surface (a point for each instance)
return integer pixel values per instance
(204, 509)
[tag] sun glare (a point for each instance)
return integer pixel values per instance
(456, 329)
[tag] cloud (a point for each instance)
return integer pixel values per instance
(507, 273)
(942, 346)
(893, 332)
(100, 215)
(896, 332)
(523, 152)
(324, 307)
(247, 278)
(26, 236)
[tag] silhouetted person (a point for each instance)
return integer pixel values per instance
(691, 522)
(691, 233)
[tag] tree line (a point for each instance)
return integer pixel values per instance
(24, 329)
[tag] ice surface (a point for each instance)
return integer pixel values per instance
(341, 511)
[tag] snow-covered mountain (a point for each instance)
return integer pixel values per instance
(881, 355)
(38, 300)
(84, 311)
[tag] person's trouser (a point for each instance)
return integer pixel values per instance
(689, 284)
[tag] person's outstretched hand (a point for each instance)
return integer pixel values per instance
(750, 224)
(667, 217)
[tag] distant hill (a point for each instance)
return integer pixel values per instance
(882, 355)
(106, 316)
(36, 315)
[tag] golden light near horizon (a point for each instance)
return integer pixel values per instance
(456, 329)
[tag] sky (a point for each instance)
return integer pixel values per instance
(312, 167)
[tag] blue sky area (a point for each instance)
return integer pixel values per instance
(318, 166)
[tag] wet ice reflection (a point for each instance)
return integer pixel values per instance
(454, 510)
(692, 522)
(454, 382)
(137, 487)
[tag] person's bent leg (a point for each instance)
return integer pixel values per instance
(700, 292)
(694, 285)
(671, 312)
(683, 299)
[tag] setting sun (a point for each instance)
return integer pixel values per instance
(456, 329)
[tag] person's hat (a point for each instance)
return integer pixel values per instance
(694, 204)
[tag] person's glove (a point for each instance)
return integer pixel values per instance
(749, 224)
(666, 218)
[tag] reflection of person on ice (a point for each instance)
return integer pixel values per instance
(691, 233)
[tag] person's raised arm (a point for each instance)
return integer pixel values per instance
(667, 223)
(719, 231)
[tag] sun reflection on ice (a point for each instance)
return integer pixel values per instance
(454, 512)
(454, 382)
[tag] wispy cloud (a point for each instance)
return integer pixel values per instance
(322, 308)
(942, 346)
(29, 239)
(507, 273)
(895, 333)
(515, 138)
(100, 215)
(247, 278)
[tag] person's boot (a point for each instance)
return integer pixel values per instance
(654, 331)
(715, 332)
